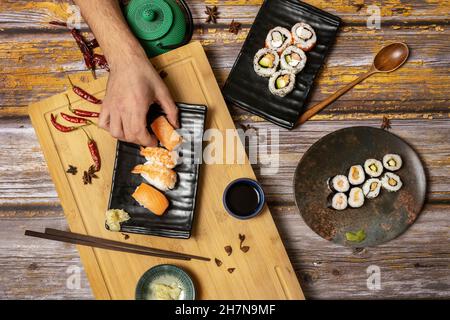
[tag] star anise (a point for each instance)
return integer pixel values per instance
(89, 175)
(234, 27)
(212, 13)
(386, 124)
(72, 170)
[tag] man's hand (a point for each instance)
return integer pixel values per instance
(132, 87)
(133, 84)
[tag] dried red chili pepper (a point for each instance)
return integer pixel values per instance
(82, 113)
(87, 54)
(83, 94)
(58, 23)
(100, 61)
(73, 119)
(92, 44)
(61, 127)
(95, 154)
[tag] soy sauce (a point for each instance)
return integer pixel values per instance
(242, 199)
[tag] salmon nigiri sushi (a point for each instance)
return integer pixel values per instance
(160, 156)
(165, 133)
(160, 177)
(151, 199)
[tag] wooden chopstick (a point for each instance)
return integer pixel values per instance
(94, 239)
(100, 245)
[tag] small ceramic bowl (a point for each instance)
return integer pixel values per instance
(165, 274)
(258, 207)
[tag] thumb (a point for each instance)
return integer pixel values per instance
(171, 110)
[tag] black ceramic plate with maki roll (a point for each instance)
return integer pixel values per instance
(360, 186)
(157, 187)
(284, 51)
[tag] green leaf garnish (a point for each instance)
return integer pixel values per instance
(358, 236)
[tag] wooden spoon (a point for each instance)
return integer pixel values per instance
(388, 59)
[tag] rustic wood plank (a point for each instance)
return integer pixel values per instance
(27, 75)
(26, 179)
(32, 14)
(415, 265)
(37, 270)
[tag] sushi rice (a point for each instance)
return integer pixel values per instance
(391, 182)
(339, 183)
(266, 62)
(371, 188)
(278, 39)
(356, 175)
(304, 36)
(373, 168)
(282, 83)
(356, 197)
(338, 201)
(392, 162)
(293, 59)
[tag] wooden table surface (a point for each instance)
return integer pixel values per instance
(34, 59)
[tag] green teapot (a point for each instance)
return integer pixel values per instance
(160, 25)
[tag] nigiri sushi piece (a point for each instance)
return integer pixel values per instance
(160, 177)
(160, 156)
(166, 134)
(151, 199)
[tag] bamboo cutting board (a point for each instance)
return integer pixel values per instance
(264, 272)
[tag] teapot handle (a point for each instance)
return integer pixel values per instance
(189, 31)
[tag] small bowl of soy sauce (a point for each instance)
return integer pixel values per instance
(243, 198)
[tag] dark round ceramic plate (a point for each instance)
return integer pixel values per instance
(382, 218)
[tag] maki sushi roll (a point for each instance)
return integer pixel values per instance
(278, 39)
(304, 36)
(392, 162)
(339, 183)
(293, 59)
(266, 62)
(371, 188)
(356, 175)
(373, 167)
(338, 201)
(391, 182)
(356, 198)
(282, 83)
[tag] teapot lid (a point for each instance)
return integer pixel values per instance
(150, 20)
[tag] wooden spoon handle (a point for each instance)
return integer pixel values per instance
(318, 107)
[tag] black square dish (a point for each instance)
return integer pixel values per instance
(177, 221)
(249, 91)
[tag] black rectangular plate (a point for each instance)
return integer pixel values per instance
(177, 221)
(249, 91)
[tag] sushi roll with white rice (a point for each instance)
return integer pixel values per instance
(392, 162)
(373, 168)
(338, 201)
(304, 36)
(339, 183)
(356, 197)
(356, 175)
(371, 188)
(293, 59)
(278, 39)
(282, 83)
(266, 62)
(391, 182)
